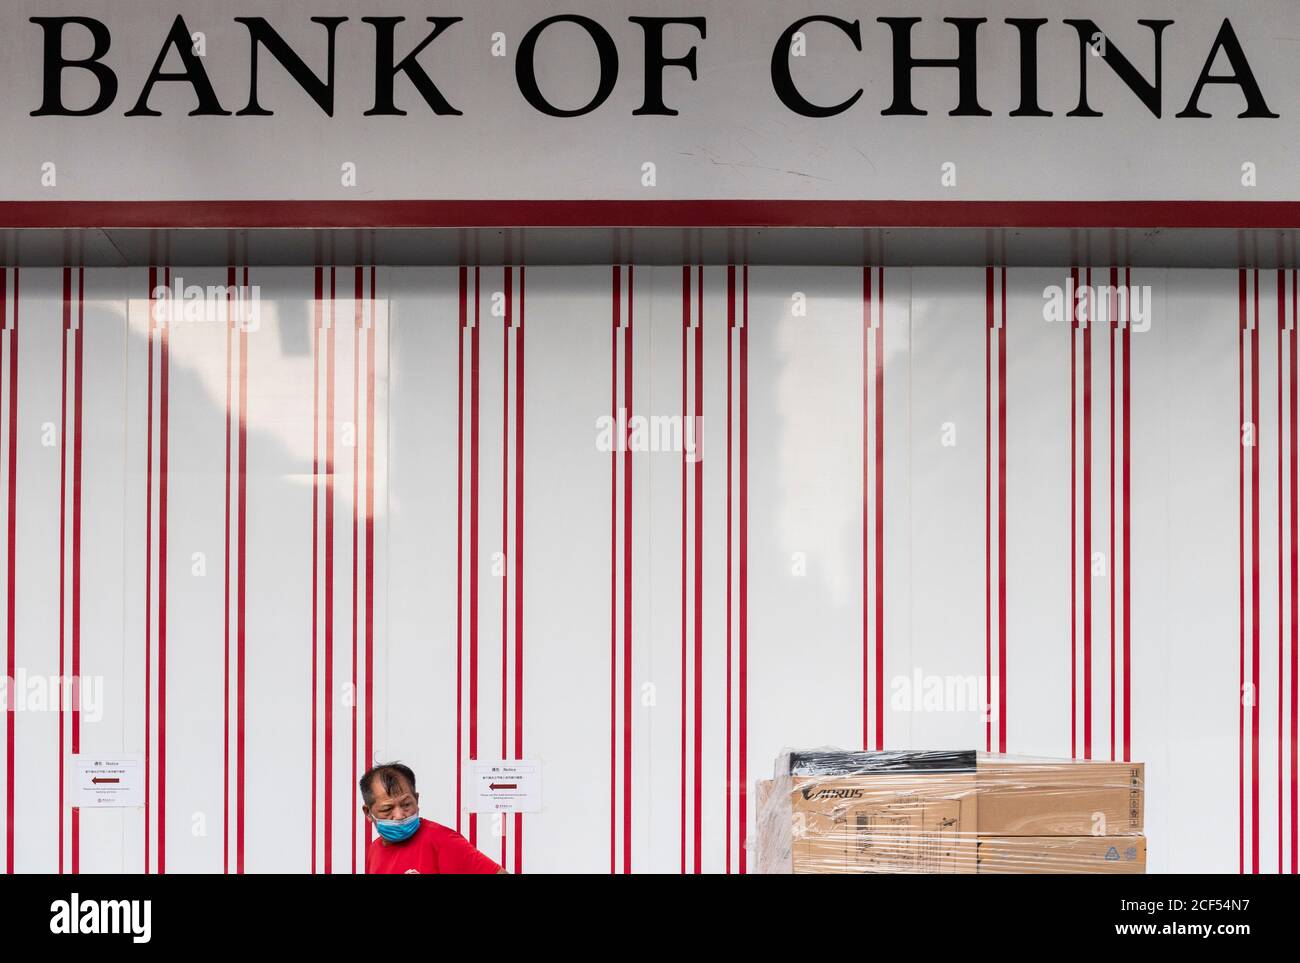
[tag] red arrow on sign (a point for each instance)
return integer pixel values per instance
(98, 780)
(503, 785)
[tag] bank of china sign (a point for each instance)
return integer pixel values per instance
(585, 100)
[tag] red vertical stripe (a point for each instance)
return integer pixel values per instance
(163, 435)
(988, 497)
(317, 312)
(1074, 527)
(1087, 520)
(1128, 580)
(613, 570)
(744, 561)
(241, 581)
(76, 548)
(994, 339)
(63, 502)
(473, 542)
(731, 325)
(148, 571)
(225, 702)
(1001, 525)
(329, 580)
(460, 534)
(699, 568)
(685, 607)
(880, 511)
(1255, 573)
(866, 511)
(1241, 570)
(505, 521)
(627, 586)
(1112, 319)
(370, 538)
(1281, 544)
(519, 559)
(1295, 586)
(10, 654)
(358, 293)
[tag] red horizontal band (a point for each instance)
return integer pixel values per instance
(648, 213)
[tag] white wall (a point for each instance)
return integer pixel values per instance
(806, 384)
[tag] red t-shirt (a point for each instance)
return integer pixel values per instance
(432, 848)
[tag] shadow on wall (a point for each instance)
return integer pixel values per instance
(138, 466)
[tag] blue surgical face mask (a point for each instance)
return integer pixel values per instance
(398, 830)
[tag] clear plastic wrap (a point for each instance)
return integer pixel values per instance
(839, 811)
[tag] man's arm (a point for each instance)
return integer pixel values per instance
(457, 855)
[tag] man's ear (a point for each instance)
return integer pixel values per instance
(366, 809)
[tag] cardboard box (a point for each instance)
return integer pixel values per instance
(928, 812)
(772, 837)
(884, 824)
(1060, 798)
(1061, 854)
(1018, 796)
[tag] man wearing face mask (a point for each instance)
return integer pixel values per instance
(406, 843)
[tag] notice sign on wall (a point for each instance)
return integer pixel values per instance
(108, 781)
(507, 786)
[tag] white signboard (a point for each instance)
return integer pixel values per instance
(507, 786)
(108, 781)
(335, 100)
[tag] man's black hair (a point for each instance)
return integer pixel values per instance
(390, 775)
